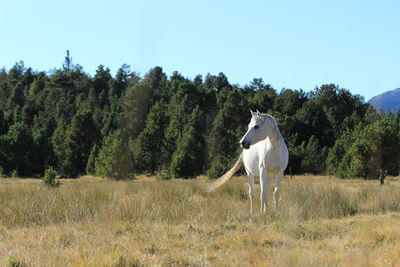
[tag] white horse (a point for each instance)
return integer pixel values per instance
(265, 154)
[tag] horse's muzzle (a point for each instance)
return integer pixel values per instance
(245, 145)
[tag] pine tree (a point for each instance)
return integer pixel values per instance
(114, 159)
(147, 148)
(67, 65)
(91, 163)
(135, 106)
(182, 104)
(314, 157)
(19, 148)
(339, 150)
(376, 148)
(188, 158)
(228, 127)
(81, 135)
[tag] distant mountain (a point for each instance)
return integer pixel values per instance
(389, 100)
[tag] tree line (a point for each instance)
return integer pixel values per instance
(122, 125)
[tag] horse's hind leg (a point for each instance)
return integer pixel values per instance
(250, 182)
(277, 191)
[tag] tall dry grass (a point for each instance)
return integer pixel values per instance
(148, 222)
(179, 201)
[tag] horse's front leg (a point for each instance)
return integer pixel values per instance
(250, 182)
(264, 184)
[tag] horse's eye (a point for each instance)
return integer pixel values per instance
(256, 127)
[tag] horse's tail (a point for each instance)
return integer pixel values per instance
(227, 176)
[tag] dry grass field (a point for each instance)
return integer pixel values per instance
(322, 221)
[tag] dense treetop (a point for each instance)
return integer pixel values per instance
(118, 126)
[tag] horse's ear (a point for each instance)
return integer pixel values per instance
(252, 112)
(258, 113)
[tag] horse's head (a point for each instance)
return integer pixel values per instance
(259, 128)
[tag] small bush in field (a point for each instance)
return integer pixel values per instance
(123, 261)
(163, 175)
(14, 262)
(14, 174)
(49, 177)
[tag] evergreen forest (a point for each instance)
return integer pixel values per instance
(121, 125)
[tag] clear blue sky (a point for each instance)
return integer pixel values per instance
(292, 44)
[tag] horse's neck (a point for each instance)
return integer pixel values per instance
(275, 136)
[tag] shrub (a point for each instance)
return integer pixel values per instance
(14, 174)
(124, 261)
(163, 175)
(49, 177)
(14, 262)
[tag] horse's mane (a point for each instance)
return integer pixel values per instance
(276, 129)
